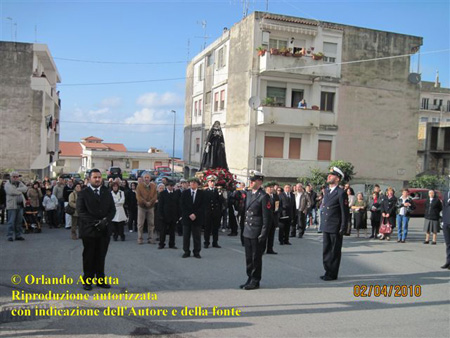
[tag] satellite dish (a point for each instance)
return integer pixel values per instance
(414, 78)
(254, 102)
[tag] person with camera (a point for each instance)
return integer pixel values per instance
(96, 209)
(405, 205)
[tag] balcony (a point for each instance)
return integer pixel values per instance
(294, 117)
(42, 83)
(304, 65)
(279, 167)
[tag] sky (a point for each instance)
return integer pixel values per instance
(123, 63)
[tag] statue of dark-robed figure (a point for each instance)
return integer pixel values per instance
(214, 155)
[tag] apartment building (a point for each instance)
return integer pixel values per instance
(434, 129)
(360, 105)
(29, 108)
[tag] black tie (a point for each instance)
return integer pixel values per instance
(96, 192)
(193, 196)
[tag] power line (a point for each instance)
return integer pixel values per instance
(123, 123)
(120, 62)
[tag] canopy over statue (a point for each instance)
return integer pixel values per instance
(214, 154)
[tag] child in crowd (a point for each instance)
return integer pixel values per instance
(50, 204)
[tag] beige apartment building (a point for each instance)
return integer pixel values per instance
(360, 105)
(29, 108)
(434, 129)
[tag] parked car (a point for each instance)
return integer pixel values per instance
(163, 168)
(76, 177)
(87, 173)
(114, 172)
(135, 174)
(419, 196)
(176, 177)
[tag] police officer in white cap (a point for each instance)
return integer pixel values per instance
(334, 216)
(214, 202)
(257, 221)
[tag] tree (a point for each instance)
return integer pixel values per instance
(316, 178)
(347, 168)
(427, 182)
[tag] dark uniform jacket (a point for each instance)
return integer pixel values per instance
(446, 207)
(287, 205)
(214, 201)
(92, 208)
(169, 206)
(275, 198)
(335, 212)
(257, 214)
(196, 208)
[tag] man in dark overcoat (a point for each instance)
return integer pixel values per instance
(169, 212)
(214, 202)
(287, 215)
(96, 209)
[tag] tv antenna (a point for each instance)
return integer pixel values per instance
(245, 4)
(205, 37)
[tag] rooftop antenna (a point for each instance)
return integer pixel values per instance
(35, 33)
(267, 5)
(204, 37)
(245, 4)
(188, 50)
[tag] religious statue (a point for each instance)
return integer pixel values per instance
(214, 154)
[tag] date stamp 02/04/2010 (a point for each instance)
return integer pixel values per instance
(393, 290)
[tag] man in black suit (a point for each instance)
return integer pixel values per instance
(96, 209)
(287, 214)
(334, 216)
(169, 212)
(192, 211)
(214, 202)
(257, 222)
(302, 203)
(446, 226)
(275, 208)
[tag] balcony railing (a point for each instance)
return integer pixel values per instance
(279, 167)
(295, 117)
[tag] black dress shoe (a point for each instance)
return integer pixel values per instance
(206, 246)
(272, 252)
(216, 246)
(186, 255)
(287, 243)
(446, 266)
(246, 283)
(104, 286)
(327, 278)
(300, 236)
(87, 287)
(281, 243)
(173, 247)
(10, 239)
(252, 286)
(22, 239)
(160, 247)
(291, 235)
(197, 256)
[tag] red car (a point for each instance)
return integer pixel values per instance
(419, 196)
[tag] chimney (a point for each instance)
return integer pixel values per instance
(437, 84)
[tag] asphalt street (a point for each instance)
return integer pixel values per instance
(292, 300)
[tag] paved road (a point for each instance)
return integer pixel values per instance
(292, 301)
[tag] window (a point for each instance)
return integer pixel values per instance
(221, 57)
(208, 98)
(424, 119)
(448, 105)
(278, 95)
(330, 51)
(216, 101)
(200, 107)
(425, 103)
(200, 72)
(326, 101)
(210, 59)
(324, 151)
(297, 96)
(435, 119)
(197, 145)
(273, 147)
(295, 145)
(195, 108)
(275, 43)
(222, 99)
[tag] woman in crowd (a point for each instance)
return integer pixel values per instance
(359, 209)
(375, 213)
(351, 202)
(405, 205)
(73, 203)
(160, 188)
(433, 207)
(132, 207)
(119, 218)
(35, 197)
(388, 208)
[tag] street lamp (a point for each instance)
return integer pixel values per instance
(173, 143)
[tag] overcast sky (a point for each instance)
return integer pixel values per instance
(99, 43)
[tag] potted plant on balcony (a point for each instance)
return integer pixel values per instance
(268, 101)
(317, 56)
(261, 51)
(298, 54)
(286, 51)
(274, 51)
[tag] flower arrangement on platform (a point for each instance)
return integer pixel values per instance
(224, 178)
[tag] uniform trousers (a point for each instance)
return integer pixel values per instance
(271, 233)
(194, 228)
(253, 258)
(94, 254)
(446, 231)
(167, 227)
(212, 224)
(332, 246)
